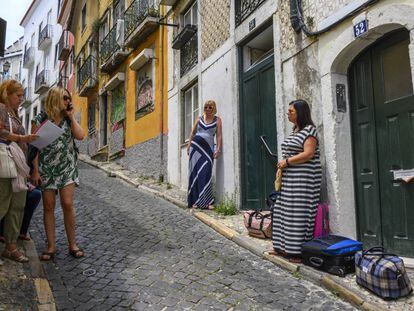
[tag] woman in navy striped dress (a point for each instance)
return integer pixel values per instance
(201, 150)
(295, 208)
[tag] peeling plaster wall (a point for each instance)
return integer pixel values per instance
(310, 68)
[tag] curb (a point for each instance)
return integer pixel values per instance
(45, 299)
(309, 274)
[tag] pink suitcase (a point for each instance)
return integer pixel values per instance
(321, 221)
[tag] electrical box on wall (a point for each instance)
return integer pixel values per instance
(340, 97)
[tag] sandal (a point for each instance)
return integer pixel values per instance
(211, 207)
(295, 260)
(24, 237)
(76, 253)
(47, 256)
(15, 255)
(274, 252)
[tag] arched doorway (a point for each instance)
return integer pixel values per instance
(382, 121)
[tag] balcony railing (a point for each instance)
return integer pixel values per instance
(141, 19)
(28, 58)
(189, 54)
(87, 76)
(244, 8)
(64, 48)
(109, 45)
(27, 95)
(45, 37)
(42, 82)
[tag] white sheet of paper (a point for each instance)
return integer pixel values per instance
(48, 132)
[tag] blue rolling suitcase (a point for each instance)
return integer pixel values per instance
(334, 254)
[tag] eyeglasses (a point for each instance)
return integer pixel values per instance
(208, 108)
(65, 98)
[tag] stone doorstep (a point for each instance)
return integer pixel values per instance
(346, 288)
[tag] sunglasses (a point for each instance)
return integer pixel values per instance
(208, 108)
(65, 98)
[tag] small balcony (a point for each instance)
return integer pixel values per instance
(141, 19)
(244, 8)
(45, 37)
(87, 76)
(42, 82)
(27, 96)
(63, 47)
(28, 59)
(63, 80)
(189, 55)
(112, 52)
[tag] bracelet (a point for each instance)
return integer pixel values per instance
(287, 161)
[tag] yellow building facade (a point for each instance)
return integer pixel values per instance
(121, 82)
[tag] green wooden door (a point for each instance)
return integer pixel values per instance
(258, 117)
(383, 135)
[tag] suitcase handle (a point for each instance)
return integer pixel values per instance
(317, 262)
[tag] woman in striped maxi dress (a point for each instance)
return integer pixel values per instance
(201, 150)
(295, 209)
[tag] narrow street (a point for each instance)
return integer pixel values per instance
(143, 253)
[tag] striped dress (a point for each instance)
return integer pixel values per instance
(295, 208)
(200, 189)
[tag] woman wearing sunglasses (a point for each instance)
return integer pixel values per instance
(55, 169)
(201, 150)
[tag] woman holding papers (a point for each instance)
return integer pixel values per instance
(55, 169)
(11, 130)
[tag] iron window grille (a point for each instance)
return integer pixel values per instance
(244, 8)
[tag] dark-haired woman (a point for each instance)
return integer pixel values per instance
(295, 210)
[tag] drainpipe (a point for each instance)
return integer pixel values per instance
(298, 23)
(161, 65)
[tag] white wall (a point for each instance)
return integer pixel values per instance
(31, 24)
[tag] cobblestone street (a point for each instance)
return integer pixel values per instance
(143, 253)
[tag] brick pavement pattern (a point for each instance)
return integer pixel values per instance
(143, 253)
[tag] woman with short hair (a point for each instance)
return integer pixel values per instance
(55, 169)
(11, 130)
(202, 153)
(295, 208)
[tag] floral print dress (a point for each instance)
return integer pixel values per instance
(58, 161)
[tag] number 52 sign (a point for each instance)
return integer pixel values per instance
(360, 28)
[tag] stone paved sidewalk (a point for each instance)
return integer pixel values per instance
(24, 286)
(232, 227)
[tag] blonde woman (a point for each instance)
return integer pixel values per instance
(201, 150)
(12, 203)
(55, 169)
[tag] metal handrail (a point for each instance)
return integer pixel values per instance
(263, 139)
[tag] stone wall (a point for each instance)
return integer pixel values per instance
(215, 25)
(145, 158)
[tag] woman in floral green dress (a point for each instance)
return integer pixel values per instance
(55, 169)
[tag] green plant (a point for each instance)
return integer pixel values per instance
(227, 206)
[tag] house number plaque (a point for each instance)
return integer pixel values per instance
(404, 175)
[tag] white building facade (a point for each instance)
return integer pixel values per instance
(40, 62)
(11, 63)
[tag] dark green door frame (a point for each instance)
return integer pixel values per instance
(257, 117)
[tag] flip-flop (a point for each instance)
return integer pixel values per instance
(51, 256)
(9, 255)
(75, 253)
